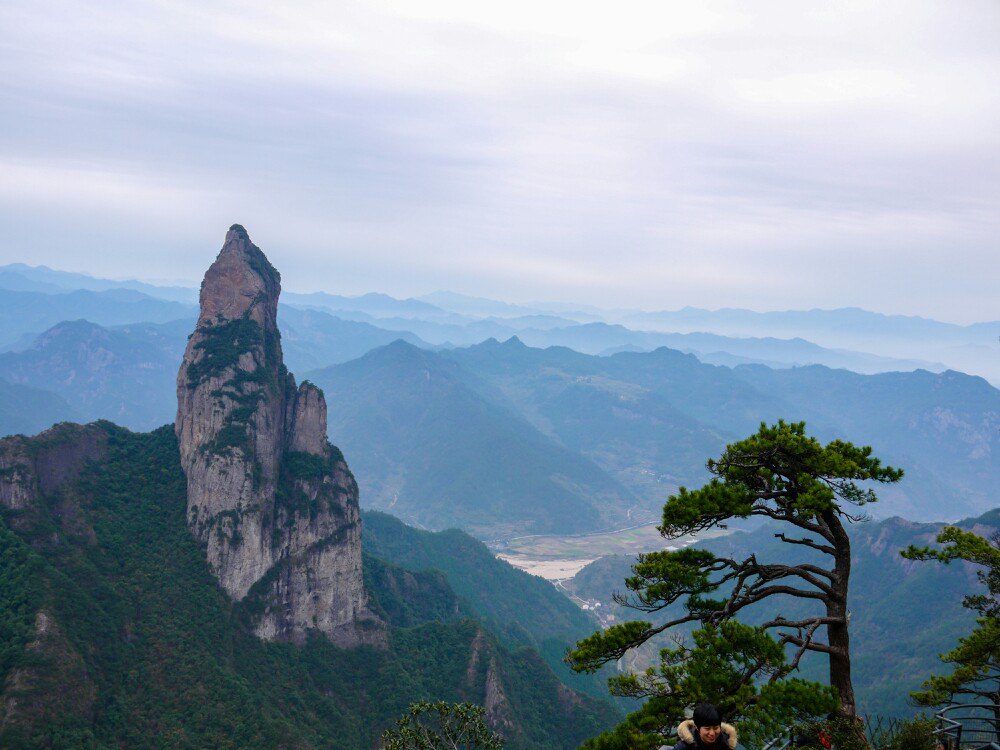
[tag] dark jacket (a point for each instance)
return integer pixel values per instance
(687, 734)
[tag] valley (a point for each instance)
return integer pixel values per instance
(569, 376)
(459, 443)
(559, 557)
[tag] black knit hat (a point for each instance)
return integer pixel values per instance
(707, 715)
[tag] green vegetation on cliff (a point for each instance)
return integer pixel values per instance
(116, 634)
(221, 346)
(522, 608)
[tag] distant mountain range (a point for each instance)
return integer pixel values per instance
(313, 338)
(971, 348)
(599, 338)
(437, 435)
(24, 278)
(943, 429)
(503, 439)
(123, 373)
(844, 322)
(127, 373)
(651, 419)
(25, 315)
(428, 444)
(848, 338)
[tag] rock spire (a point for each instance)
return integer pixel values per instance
(273, 502)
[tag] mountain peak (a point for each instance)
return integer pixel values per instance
(514, 342)
(272, 501)
(241, 283)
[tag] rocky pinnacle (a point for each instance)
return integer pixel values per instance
(272, 501)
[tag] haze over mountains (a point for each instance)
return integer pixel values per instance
(474, 436)
(849, 338)
(500, 438)
(552, 269)
(204, 584)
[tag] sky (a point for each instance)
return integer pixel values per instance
(768, 155)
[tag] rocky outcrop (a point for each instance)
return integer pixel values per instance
(272, 501)
(483, 684)
(498, 712)
(35, 475)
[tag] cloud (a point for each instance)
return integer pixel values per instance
(770, 156)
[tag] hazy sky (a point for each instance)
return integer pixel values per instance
(769, 155)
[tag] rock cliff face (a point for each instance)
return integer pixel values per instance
(34, 468)
(273, 502)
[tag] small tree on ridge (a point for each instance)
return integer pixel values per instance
(442, 726)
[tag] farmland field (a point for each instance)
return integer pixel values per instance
(559, 557)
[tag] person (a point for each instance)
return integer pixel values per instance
(705, 730)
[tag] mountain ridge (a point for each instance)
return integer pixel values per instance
(399, 401)
(859, 339)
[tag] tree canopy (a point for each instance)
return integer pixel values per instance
(976, 658)
(442, 726)
(809, 491)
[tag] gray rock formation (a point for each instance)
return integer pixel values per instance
(494, 698)
(34, 470)
(273, 502)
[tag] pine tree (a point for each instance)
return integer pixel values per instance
(976, 659)
(810, 492)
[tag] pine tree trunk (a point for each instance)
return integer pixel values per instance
(840, 660)
(838, 636)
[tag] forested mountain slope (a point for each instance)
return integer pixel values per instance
(657, 416)
(427, 445)
(521, 609)
(116, 632)
(643, 416)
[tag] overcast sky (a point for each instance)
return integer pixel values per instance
(769, 155)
